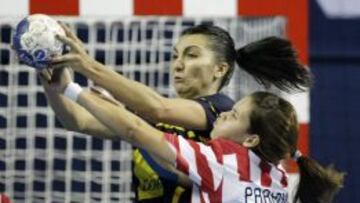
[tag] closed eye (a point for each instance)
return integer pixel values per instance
(235, 113)
(192, 51)
(192, 55)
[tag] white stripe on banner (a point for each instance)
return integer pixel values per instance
(301, 104)
(14, 7)
(340, 8)
(106, 7)
(209, 8)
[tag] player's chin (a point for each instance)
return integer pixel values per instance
(213, 134)
(216, 132)
(180, 88)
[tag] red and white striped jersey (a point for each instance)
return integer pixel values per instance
(224, 171)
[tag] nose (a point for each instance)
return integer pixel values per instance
(178, 65)
(223, 115)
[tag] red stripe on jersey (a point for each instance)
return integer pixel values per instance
(181, 163)
(218, 150)
(202, 200)
(284, 181)
(50, 7)
(265, 173)
(203, 168)
(158, 7)
(216, 196)
(243, 164)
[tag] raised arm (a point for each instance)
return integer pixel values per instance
(129, 127)
(70, 114)
(76, 118)
(136, 96)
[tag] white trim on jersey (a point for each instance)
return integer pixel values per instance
(195, 196)
(255, 171)
(188, 154)
(214, 165)
(277, 176)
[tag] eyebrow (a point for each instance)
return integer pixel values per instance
(187, 49)
(236, 112)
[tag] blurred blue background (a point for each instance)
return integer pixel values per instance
(335, 106)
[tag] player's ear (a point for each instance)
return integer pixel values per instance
(251, 141)
(221, 69)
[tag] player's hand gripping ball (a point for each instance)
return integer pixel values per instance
(35, 40)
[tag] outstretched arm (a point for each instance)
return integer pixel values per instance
(128, 126)
(174, 153)
(76, 118)
(136, 96)
(71, 115)
(131, 128)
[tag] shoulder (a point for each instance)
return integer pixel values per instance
(219, 101)
(218, 98)
(226, 147)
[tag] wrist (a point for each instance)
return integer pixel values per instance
(72, 91)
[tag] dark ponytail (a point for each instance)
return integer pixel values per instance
(317, 183)
(273, 61)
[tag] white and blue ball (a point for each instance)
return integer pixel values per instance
(35, 40)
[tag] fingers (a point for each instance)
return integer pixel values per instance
(41, 77)
(45, 74)
(43, 81)
(68, 60)
(63, 59)
(69, 33)
(44, 78)
(50, 72)
(68, 41)
(67, 30)
(60, 66)
(57, 75)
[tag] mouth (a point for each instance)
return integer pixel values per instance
(216, 122)
(178, 79)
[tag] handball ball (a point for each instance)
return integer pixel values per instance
(35, 40)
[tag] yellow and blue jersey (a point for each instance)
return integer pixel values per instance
(154, 184)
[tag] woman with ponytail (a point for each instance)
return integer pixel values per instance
(274, 120)
(203, 62)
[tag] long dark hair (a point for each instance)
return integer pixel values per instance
(270, 61)
(274, 120)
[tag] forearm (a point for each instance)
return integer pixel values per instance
(75, 118)
(128, 126)
(136, 96)
(65, 110)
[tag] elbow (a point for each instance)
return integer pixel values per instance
(157, 113)
(78, 126)
(153, 109)
(131, 133)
